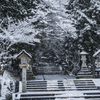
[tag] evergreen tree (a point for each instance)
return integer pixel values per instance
(86, 14)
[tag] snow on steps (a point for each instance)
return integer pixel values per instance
(30, 75)
(56, 95)
(48, 70)
(84, 73)
(60, 90)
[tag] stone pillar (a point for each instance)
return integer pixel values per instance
(83, 58)
(23, 79)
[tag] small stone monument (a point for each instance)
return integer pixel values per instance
(25, 59)
(84, 71)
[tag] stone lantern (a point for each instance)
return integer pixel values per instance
(84, 71)
(24, 59)
(83, 58)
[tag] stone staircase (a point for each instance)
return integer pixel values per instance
(30, 75)
(1, 72)
(60, 90)
(84, 73)
(46, 68)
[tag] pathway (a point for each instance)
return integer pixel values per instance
(53, 77)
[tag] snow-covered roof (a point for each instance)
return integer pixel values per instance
(83, 53)
(96, 53)
(23, 51)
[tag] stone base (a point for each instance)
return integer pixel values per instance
(84, 73)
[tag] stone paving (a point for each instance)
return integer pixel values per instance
(65, 89)
(54, 77)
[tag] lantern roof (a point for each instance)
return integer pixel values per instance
(96, 53)
(83, 53)
(24, 52)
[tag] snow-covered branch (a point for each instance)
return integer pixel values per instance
(21, 32)
(86, 17)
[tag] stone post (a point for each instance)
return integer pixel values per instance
(83, 58)
(93, 67)
(23, 79)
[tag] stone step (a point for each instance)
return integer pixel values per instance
(84, 76)
(45, 71)
(46, 94)
(83, 81)
(30, 75)
(61, 80)
(61, 92)
(50, 72)
(89, 82)
(93, 93)
(38, 98)
(57, 88)
(36, 82)
(84, 70)
(76, 84)
(53, 70)
(61, 89)
(85, 85)
(57, 96)
(29, 72)
(60, 86)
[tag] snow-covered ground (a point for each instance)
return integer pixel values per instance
(96, 82)
(7, 78)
